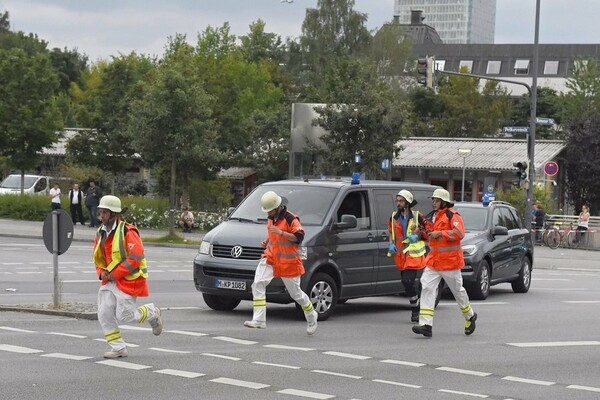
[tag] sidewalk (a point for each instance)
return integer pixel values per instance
(83, 233)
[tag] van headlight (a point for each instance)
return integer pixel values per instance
(469, 250)
(204, 247)
(303, 252)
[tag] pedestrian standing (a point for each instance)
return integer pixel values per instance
(583, 222)
(280, 259)
(407, 246)
(75, 201)
(121, 266)
(92, 199)
(55, 196)
(444, 261)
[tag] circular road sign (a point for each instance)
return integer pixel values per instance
(551, 168)
(65, 231)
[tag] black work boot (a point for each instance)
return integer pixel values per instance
(470, 324)
(414, 316)
(424, 330)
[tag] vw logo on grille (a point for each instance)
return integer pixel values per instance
(236, 251)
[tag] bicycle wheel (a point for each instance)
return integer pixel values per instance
(545, 236)
(553, 239)
(573, 240)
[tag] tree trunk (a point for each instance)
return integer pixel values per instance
(185, 196)
(172, 200)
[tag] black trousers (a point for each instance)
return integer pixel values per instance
(409, 277)
(77, 214)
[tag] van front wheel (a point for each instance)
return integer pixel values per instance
(220, 303)
(323, 293)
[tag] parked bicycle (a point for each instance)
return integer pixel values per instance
(554, 236)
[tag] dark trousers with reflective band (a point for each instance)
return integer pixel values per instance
(409, 280)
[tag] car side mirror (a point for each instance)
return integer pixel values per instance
(347, 222)
(500, 231)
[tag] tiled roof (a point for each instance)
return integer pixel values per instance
(486, 154)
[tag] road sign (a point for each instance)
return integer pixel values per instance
(551, 168)
(515, 129)
(544, 121)
(64, 231)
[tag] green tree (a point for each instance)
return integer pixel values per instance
(29, 118)
(259, 45)
(391, 48)
(547, 105)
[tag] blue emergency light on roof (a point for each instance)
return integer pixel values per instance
(355, 178)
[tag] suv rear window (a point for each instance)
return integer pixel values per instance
(474, 219)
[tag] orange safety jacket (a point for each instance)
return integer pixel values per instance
(129, 272)
(407, 256)
(282, 254)
(446, 252)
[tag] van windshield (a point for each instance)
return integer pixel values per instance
(309, 203)
(14, 182)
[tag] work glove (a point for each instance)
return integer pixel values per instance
(412, 238)
(392, 248)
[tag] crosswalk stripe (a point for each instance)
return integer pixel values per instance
(221, 356)
(66, 356)
(282, 347)
(123, 364)
(176, 372)
(169, 351)
(19, 349)
(237, 382)
(8, 328)
(275, 365)
(188, 333)
(587, 388)
(319, 371)
(556, 344)
(526, 380)
(483, 396)
(346, 355)
(408, 385)
(234, 340)
(303, 393)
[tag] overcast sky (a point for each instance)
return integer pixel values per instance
(101, 28)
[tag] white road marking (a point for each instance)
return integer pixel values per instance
(29, 272)
(303, 393)
(483, 396)
(134, 328)
(531, 381)
(463, 371)
(556, 344)
(275, 365)
(562, 289)
(406, 363)
(551, 279)
(221, 356)
(126, 343)
(588, 388)
(80, 281)
(67, 334)
(234, 340)
(13, 263)
(582, 302)
(41, 263)
(8, 328)
(66, 356)
(397, 383)
(176, 372)
(346, 355)
(169, 351)
(319, 371)
(283, 347)
(474, 303)
(123, 364)
(183, 308)
(237, 382)
(179, 270)
(67, 272)
(188, 333)
(21, 268)
(19, 349)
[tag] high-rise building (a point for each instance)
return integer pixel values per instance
(456, 21)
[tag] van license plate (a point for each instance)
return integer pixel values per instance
(235, 285)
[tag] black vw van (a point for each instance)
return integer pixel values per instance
(344, 248)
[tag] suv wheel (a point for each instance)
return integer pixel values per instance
(480, 289)
(523, 282)
(220, 303)
(323, 294)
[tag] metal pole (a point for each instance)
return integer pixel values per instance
(462, 193)
(55, 254)
(532, 117)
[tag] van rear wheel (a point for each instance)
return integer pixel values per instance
(220, 303)
(323, 294)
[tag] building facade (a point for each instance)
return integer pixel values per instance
(456, 21)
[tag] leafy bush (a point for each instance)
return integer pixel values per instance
(25, 207)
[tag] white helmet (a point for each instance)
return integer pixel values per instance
(270, 201)
(441, 194)
(112, 203)
(408, 196)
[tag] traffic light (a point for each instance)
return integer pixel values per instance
(425, 71)
(522, 170)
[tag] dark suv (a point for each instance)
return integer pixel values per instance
(497, 248)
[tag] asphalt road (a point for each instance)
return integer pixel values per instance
(539, 345)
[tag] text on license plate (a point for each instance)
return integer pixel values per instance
(235, 285)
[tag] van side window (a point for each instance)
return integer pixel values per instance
(357, 204)
(40, 185)
(385, 203)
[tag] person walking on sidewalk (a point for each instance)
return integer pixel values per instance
(92, 199)
(444, 261)
(280, 259)
(407, 247)
(75, 201)
(121, 266)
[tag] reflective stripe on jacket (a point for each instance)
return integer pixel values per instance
(446, 252)
(282, 254)
(122, 254)
(409, 255)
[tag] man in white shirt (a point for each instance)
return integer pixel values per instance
(75, 200)
(55, 196)
(186, 220)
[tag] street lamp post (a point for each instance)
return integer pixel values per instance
(464, 153)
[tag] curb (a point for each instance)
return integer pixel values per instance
(92, 316)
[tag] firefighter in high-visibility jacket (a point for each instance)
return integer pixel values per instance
(407, 246)
(281, 258)
(121, 266)
(444, 261)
